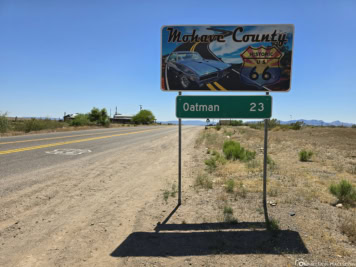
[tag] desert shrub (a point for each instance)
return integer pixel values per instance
(271, 163)
(273, 224)
(174, 190)
(236, 123)
(297, 125)
(230, 184)
(344, 191)
(38, 124)
(258, 125)
(218, 127)
(234, 151)
(166, 195)
(211, 164)
(273, 123)
(228, 133)
(231, 149)
(229, 215)
(253, 164)
(218, 157)
(241, 191)
(204, 181)
(4, 123)
(305, 155)
(348, 227)
(353, 126)
(80, 120)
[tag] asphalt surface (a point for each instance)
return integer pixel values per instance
(22, 154)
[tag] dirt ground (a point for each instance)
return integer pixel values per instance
(101, 212)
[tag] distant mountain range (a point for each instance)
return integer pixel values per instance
(307, 122)
(319, 123)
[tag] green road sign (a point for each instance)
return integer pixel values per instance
(224, 107)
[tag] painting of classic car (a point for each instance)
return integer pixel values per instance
(189, 70)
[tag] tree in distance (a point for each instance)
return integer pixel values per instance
(144, 117)
(99, 116)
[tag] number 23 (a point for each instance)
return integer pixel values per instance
(260, 107)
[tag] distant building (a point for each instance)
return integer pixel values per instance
(70, 117)
(119, 118)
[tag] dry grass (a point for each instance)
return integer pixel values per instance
(301, 187)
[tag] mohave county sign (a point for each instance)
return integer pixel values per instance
(224, 107)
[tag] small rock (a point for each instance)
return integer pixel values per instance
(92, 224)
(339, 256)
(291, 213)
(228, 137)
(339, 205)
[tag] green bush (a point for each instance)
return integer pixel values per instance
(233, 150)
(144, 117)
(344, 191)
(81, 120)
(297, 125)
(217, 127)
(99, 117)
(305, 155)
(353, 126)
(4, 123)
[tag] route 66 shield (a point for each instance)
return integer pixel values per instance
(261, 66)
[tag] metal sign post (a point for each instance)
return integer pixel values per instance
(265, 172)
(179, 159)
(226, 58)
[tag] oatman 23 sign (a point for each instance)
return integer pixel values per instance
(227, 58)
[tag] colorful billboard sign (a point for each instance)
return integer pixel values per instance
(254, 58)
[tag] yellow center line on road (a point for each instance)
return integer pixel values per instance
(68, 142)
(53, 138)
(219, 86)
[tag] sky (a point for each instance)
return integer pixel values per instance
(70, 56)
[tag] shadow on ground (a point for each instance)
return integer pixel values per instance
(218, 238)
(146, 244)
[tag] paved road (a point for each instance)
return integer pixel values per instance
(74, 210)
(22, 154)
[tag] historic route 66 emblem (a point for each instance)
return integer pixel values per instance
(261, 65)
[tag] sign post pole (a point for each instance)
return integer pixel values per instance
(179, 159)
(265, 172)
